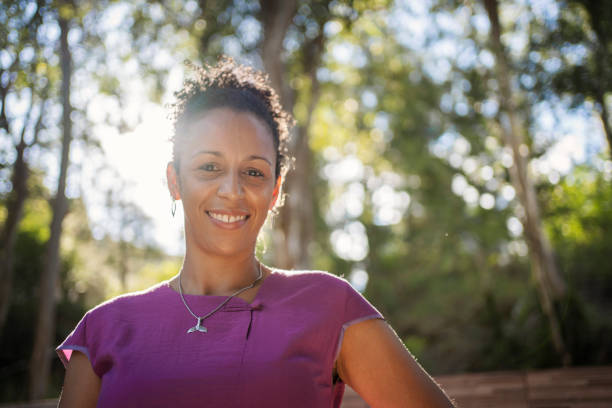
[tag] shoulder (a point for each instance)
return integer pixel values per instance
(311, 287)
(323, 293)
(312, 275)
(312, 279)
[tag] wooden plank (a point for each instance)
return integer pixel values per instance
(48, 403)
(352, 399)
(571, 387)
(499, 389)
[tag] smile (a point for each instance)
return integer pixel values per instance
(228, 219)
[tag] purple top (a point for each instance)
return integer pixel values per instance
(277, 351)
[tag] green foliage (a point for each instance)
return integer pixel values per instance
(579, 221)
(18, 335)
(571, 56)
(447, 274)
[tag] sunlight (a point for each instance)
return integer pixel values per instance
(508, 192)
(515, 227)
(351, 242)
(389, 205)
(348, 169)
(348, 205)
(459, 184)
(487, 201)
(140, 158)
(359, 279)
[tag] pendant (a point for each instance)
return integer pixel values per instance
(198, 327)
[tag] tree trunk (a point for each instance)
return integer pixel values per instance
(40, 362)
(550, 284)
(295, 227)
(605, 118)
(276, 16)
(603, 74)
(603, 70)
(298, 222)
(14, 209)
(294, 231)
(8, 237)
(289, 232)
(19, 180)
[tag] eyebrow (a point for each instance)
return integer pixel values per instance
(218, 154)
(214, 153)
(255, 157)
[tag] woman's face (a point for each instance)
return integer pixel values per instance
(226, 180)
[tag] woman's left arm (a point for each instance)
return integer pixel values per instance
(375, 363)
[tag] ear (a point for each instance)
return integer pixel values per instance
(172, 179)
(276, 191)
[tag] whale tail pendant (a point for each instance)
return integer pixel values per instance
(198, 327)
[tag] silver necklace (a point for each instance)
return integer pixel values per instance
(198, 327)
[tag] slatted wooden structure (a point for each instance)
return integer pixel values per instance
(48, 403)
(577, 387)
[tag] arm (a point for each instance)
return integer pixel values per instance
(375, 363)
(81, 383)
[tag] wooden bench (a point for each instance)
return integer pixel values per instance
(576, 387)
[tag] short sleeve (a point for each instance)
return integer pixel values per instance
(356, 309)
(76, 341)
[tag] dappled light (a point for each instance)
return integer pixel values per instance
(452, 163)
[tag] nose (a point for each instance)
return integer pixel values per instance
(230, 186)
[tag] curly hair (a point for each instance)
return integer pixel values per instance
(238, 87)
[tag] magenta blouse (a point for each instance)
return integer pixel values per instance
(277, 351)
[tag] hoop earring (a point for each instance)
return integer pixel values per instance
(173, 208)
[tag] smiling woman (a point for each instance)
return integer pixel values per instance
(228, 331)
(224, 174)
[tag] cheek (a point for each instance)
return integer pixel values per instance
(193, 188)
(262, 196)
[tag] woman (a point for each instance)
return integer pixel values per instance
(228, 331)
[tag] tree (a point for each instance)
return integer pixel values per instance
(578, 218)
(20, 79)
(40, 363)
(128, 226)
(579, 36)
(294, 231)
(398, 157)
(551, 285)
(449, 273)
(428, 254)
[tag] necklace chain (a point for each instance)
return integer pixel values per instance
(198, 327)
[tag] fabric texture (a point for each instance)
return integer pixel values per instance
(277, 351)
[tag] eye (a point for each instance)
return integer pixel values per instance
(209, 167)
(254, 173)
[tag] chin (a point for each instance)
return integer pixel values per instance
(227, 249)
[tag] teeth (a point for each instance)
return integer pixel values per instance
(227, 218)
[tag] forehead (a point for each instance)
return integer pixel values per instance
(229, 132)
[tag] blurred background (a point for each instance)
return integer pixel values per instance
(452, 162)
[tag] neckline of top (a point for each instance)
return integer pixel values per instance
(256, 300)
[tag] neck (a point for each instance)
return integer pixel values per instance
(217, 275)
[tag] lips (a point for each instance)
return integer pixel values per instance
(227, 218)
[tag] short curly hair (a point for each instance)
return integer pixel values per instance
(239, 87)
